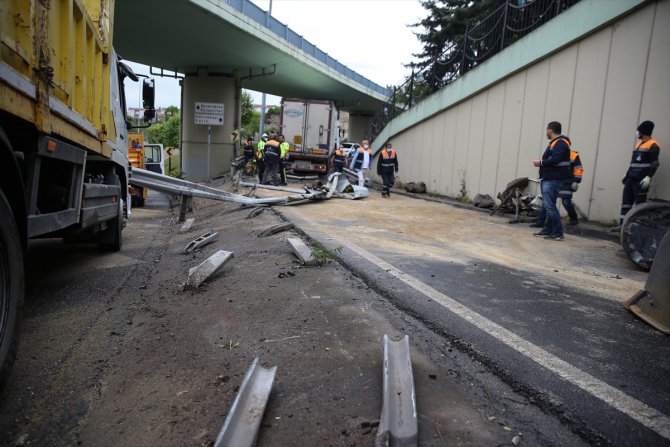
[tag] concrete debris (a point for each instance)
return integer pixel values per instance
(201, 241)
(276, 229)
(245, 416)
(302, 252)
(255, 212)
(417, 188)
(398, 423)
(187, 225)
(484, 201)
(199, 274)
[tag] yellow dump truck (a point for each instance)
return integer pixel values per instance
(64, 167)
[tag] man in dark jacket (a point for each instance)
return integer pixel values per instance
(554, 172)
(643, 166)
(387, 166)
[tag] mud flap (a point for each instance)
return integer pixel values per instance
(653, 303)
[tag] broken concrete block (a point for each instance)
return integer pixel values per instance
(276, 229)
(187, 225)
(255, 212)
(197, 275)
(303, 252)
(201, 241)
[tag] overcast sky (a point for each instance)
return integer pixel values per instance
(369, 36)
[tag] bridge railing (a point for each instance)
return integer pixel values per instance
(282, 30)
(481, 40)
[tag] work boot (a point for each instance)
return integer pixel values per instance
(573, 222)
(542, 233)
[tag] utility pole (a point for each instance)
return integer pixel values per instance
(267, 23)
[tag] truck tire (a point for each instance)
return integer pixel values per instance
(12, 287)
(113, 235)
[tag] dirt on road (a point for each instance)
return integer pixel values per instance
(115, 352)
(436, 231)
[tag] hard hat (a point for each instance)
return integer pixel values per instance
(264, 135)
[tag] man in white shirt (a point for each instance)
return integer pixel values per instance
(361, 161)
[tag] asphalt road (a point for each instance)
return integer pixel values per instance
(509, 339)
(569, 347)
(114, 351)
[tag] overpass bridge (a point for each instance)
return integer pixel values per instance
(222, 46)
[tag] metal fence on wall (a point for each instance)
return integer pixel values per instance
(483, 39)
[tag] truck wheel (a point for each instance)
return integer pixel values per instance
(11, 288)
(113, 235)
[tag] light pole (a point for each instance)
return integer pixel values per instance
(267, 24)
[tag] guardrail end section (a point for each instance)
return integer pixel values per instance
(398, 422)
(245, 416)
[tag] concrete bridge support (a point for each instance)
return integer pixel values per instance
(358, 123)
(209, 88)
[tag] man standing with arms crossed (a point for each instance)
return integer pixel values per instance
(554, 172)
(387, 166)
(643, 166)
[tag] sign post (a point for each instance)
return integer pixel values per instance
(208, 114)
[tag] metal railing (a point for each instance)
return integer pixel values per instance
(482, 39)
(282, 30)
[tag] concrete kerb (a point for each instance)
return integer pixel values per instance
(200, 273)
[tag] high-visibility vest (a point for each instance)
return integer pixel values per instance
(576, 163)
(340, 157)
(259, 149)
(388, 160)
(359, 159)
(561, 170)
(271, 150)
(283, 149)
(641, 160)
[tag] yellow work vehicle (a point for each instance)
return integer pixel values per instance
(138, 194)
(64, 167)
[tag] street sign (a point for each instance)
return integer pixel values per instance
(208, 113)
(208, 120)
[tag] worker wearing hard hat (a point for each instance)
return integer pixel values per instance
(260, 156)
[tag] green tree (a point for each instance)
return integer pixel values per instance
(271, 113)
(247, 109)
(441, 34)
(165, 133)
(171, 111)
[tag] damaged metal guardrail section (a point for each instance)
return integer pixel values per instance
(169, 185)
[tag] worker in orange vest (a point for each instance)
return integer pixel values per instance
(339, 159)
(387, 168)
(361, 161)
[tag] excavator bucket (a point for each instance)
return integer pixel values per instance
(653, 303)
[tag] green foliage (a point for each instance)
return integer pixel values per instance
(171, 111)
(247, 105)
(250, 127)
(445, 25)
(165, 133)
(322, 254)
(274, 111)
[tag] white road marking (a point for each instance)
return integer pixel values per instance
(639, 411)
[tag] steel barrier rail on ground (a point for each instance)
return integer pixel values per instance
(171, 185)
